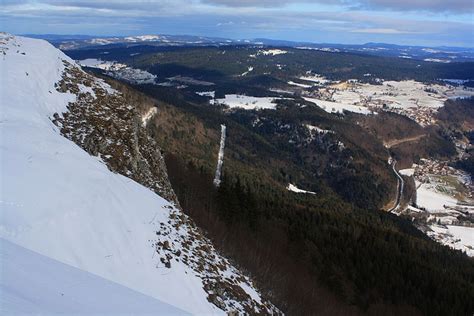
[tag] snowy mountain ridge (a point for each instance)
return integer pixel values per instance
(95, 206)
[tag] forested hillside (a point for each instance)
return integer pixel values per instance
(333, 252)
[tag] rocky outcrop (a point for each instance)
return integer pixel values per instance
(105, 124)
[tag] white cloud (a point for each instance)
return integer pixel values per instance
(453, 6)
(382, 31)
(244, 18)
(225, 23)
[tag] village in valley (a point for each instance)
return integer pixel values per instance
(442, 205)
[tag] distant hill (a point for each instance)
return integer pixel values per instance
(435, 54)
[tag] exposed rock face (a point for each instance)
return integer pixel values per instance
(106, 124)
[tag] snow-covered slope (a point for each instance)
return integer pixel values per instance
(65, 204)
(34, 284)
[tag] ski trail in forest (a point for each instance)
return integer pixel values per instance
(220, 157)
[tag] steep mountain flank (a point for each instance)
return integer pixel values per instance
(108, 208)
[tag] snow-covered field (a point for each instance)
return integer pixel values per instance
(301, 85)
(120, 71)
(432, 200)
(143, 38)
(439, 186)
(316, 129)
(407, 172)
(338, 107)
(210, 94)
(247, 102)
(409, 93)
(444, 206)
(457, 237)
(316, 78)
(272, 52)
(437, 60)
(33, 284)
(414, 99)
(102, 41)
(294, 188)
(444, 210)
(455, 81)
(249, 69)
(101, 64)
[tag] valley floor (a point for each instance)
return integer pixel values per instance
(444, 206)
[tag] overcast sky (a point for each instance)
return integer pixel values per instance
(414, 22)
